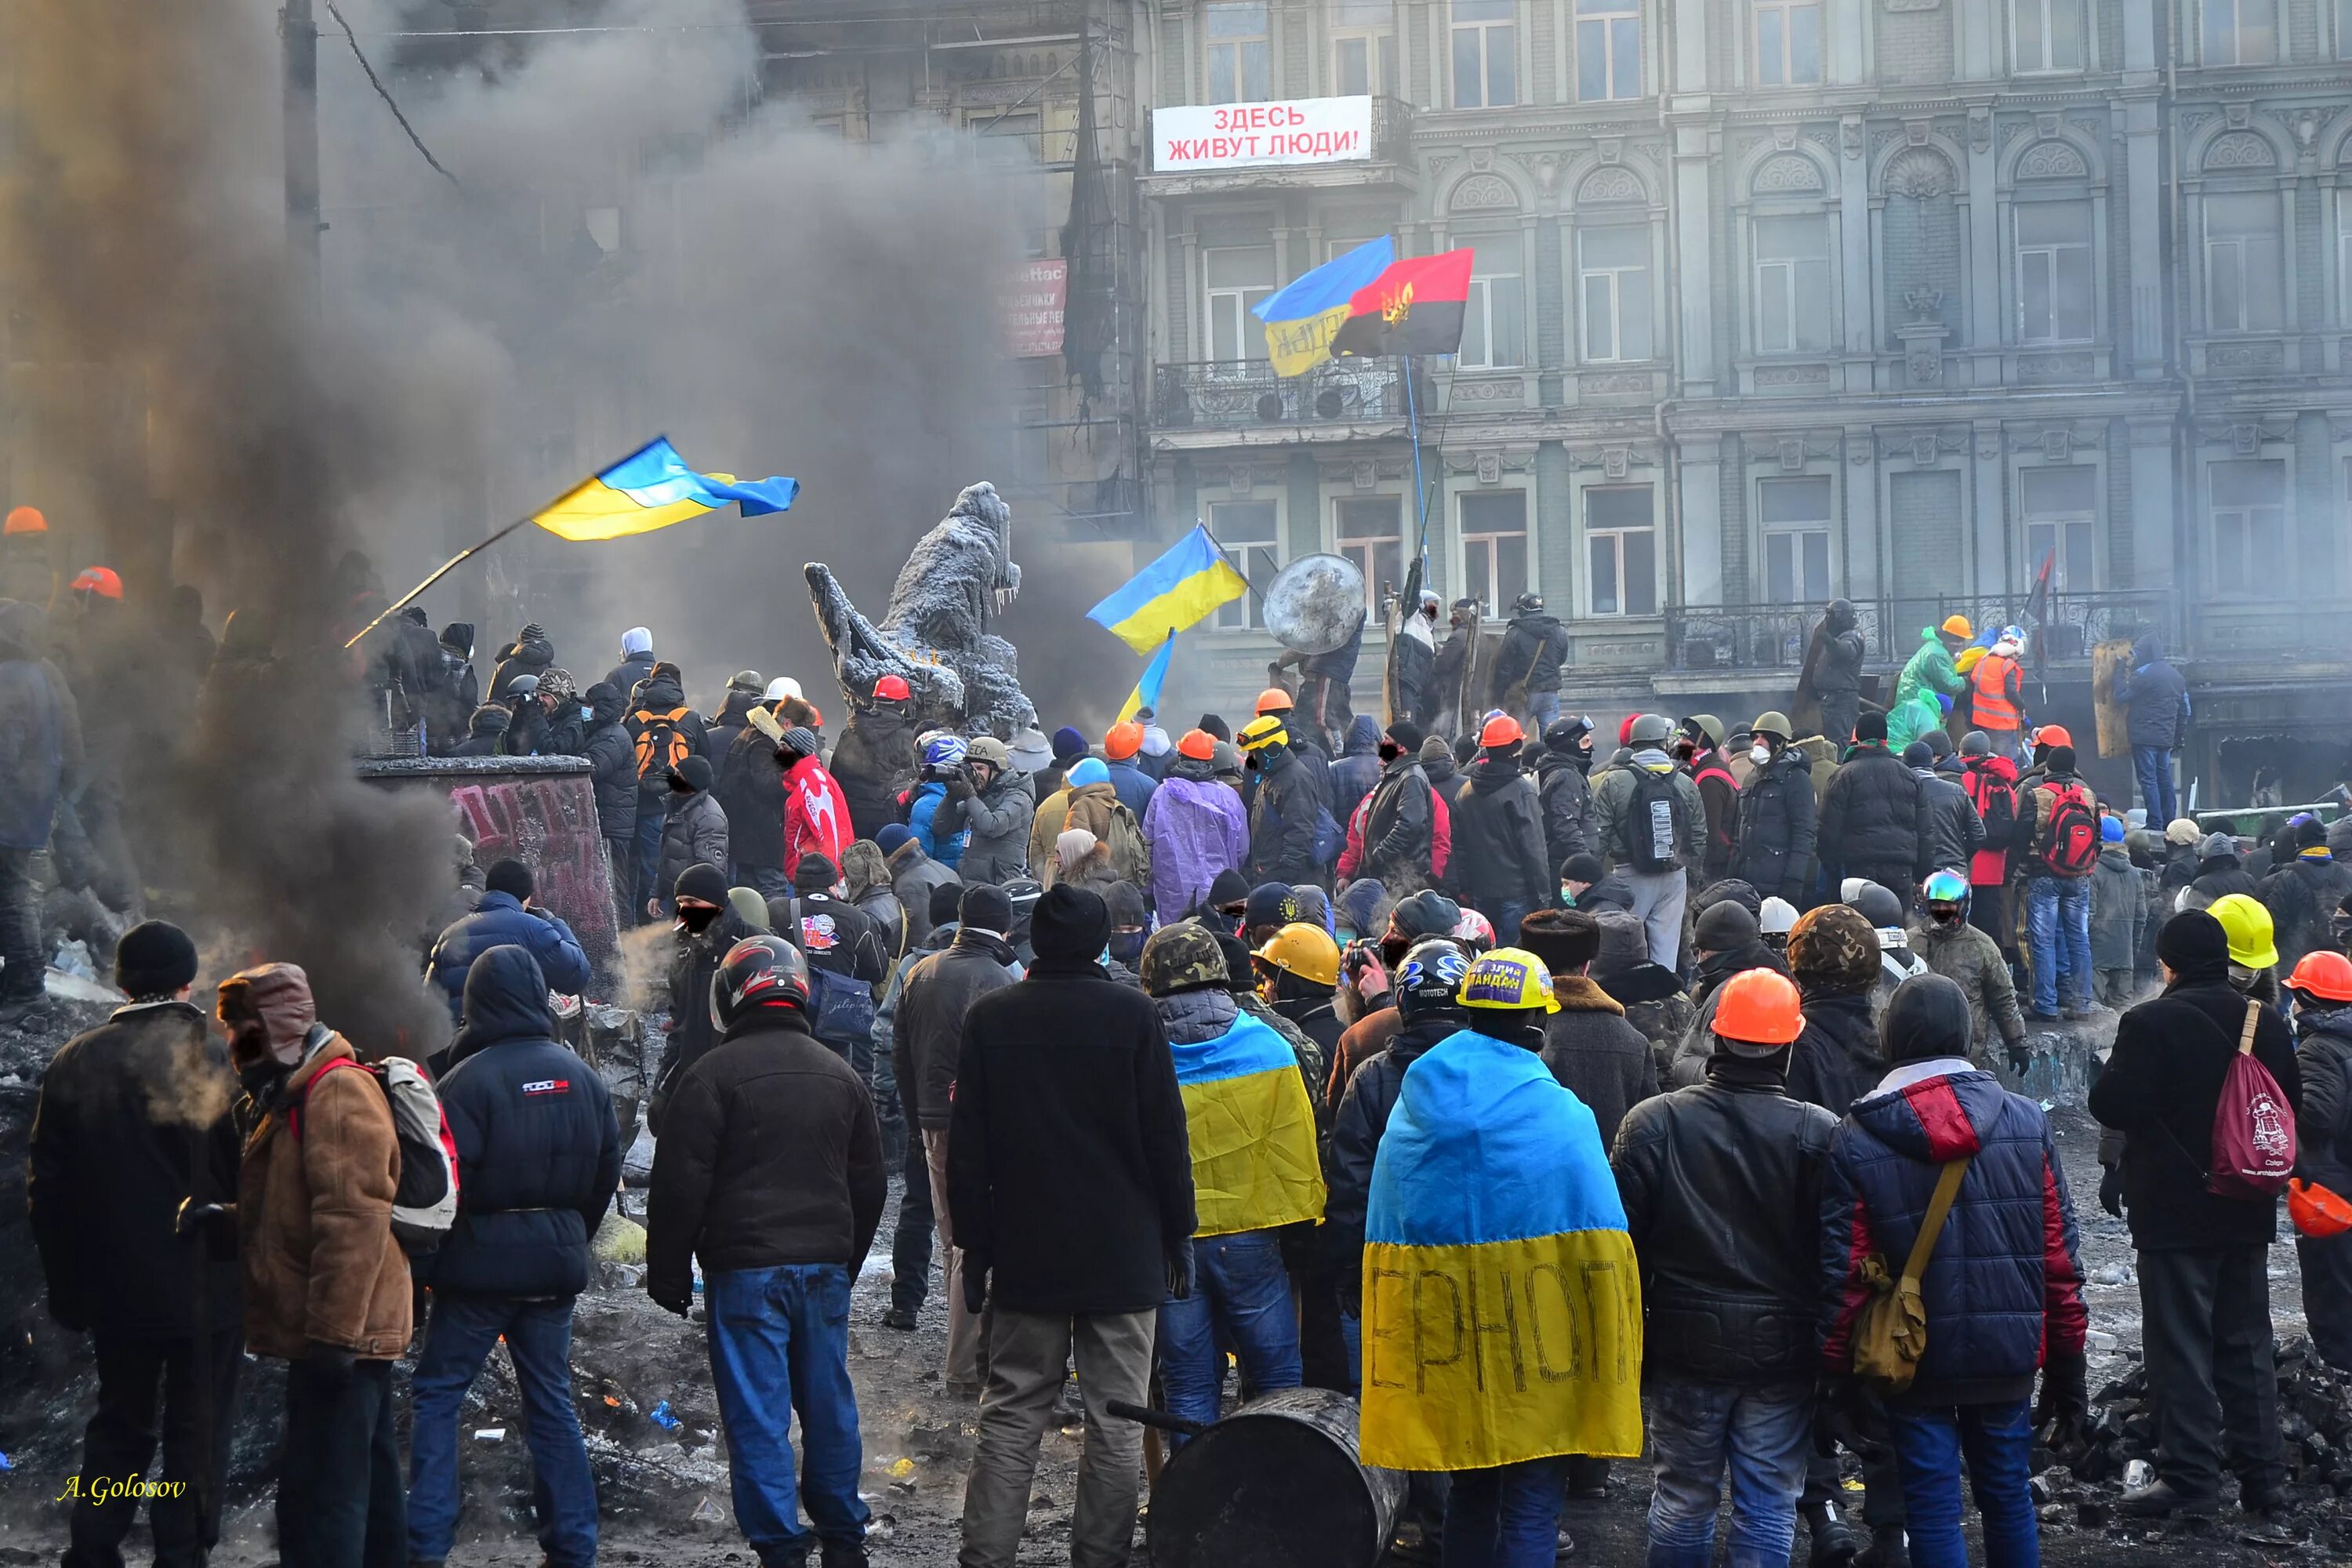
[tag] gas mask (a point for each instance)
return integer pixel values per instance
(1945, 915)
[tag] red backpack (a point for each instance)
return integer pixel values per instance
(2253, 1130)
(2070, 846)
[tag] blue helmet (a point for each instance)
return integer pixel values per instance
(1946, 887)
(946, 752)
(1429, 981)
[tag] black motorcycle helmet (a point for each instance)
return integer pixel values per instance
(1429, 981)
(759, 972)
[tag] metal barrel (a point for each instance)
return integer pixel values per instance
(1276, 1484)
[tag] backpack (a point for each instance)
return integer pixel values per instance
(424, 1203)
(1653, 828)
(841, 1006)
(2070, 846)
(1998, 809)
(660, 742)
(1329, 838)
(1890, 1332)
(1130, 855)
(2254, 1130)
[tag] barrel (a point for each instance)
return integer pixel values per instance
(1276, 1484)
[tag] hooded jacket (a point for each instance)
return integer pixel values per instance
(928, 1032)
(1097, 808)
(499, 920)
(1196, 827)
(529, 653)
(913, 876)
(816, 818)
(1722, 1188)
(1931, 672)
(539, 1153)
(751, 791)
(1564, 791)
(695, 829)
(1837, 1057)
(2003, 1289)
(133, 1117)
(2218, 876)
(1838, 670)
(1498, 840)
(999, 818)
(485, 733)
(1991, 784)
(1949, 822)
(1358, 768)
(43, 724)
(612, 765)
(2154, 696)
(1777, 829)
(661, 695)
(720, 729)
(866, 875)
(1872, 817)
(624, 676)
(2118, 910)
(1535, 645)
(1281, 820)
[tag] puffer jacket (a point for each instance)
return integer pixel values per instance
(913, 877)
(612, 765)
(2218, 876)
(1290, 792)
(1612, 808)
(539, 1153)
(529, 654)
(696, 829)
(2003, 1286)
(998, 819)
(1358, 768)
(1195, 827)
(1949, 824)
(2154, 696)
(1722, 1187)
(1777, 828)
(1498, 839)
(1872, 817)
(928, 1030)
(1972, 961)
(1565, 793)
(497, 920)
(1837, 1057)
(314, 1213)
(2323, 1122)
(2118, 910)
(1355, 1128)
(751, 791)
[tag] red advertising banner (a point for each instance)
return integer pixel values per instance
(1030, 304)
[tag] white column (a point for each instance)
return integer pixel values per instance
(1985, 324)
(1694, 248)
(2143, 172)
(1690, 46)
(1862, 514)
(1988, 506)
(1853, 230)
(1702, 520)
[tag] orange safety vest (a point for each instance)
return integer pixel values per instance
(1994, 709)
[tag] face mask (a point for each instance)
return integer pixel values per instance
(1945, 917)
(697, 920)
(1567, 894)
(1390, 751)
(1249, 763)
(1685, 750)
(1760, 754)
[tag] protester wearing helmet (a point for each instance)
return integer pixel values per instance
(1727, 1360)
(2320, 1200)
(2203, 1257)
(940, 831)
(1652, 824)
(1298, 975)
(1424, 915)
(875, 757)
(2253, 949)
(1535, 645)
(769, 1171)
(1954, 947)
(1290, 800)
(1564, 787)
(997, 809)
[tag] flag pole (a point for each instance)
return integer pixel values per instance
(440, 572)
(1413, 424)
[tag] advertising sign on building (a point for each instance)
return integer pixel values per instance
(1031, 303)
(1260, 135)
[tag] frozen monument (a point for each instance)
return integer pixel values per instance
(934, 632)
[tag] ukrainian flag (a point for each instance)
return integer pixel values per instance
(1192, 578)
(653, 487)
(1302, 320)
(1502, 1309)
(1252, 1129)
(1147, 691)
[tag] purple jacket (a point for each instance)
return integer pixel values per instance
(1196, 828)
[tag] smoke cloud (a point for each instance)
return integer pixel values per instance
(632, 246)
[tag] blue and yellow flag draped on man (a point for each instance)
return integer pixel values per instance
(1502, 1311)
(1252, 1129)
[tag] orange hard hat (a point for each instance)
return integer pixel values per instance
(2053, 735)
(1957, 626)
(1197, 744)
(1760, 1007)
(2325, 973)
(1274, 700)
(891, 688)
(1500, 729)
(2316, 1211)
(1123, 740)
(26, 519)
(99, 580)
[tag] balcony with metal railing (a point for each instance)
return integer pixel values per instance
(1743, 638)
(1342, 400)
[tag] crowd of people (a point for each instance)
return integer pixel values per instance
(1210, 1062)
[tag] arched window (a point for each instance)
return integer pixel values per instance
(2244, 236)
(1493, 327)
(1613, 293)
(2057, 296)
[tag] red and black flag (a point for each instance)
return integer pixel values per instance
(1413, 308)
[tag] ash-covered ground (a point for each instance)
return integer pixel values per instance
(643, 1387)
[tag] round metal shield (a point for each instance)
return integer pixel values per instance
(1316, 603)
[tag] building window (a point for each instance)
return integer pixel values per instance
(1246, 531)
(1486, 54)
(2060, 507)
(2046, 35)
(2054, 302)
(1609, 49)
(1788, 42)
(1792, 284)
(1241, 57)
(1370, 531)
(1237, 279)
(1796, 515)
(2344, 29)
(2240, 32)
(1493, 327)
(1613, 284)
(1621, 543)
(2249, 525)
(1494, 547)
(1363, 48)
(2245, 287)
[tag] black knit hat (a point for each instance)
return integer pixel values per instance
(703, 881)
(1069, 922)
(984, 906)
(1870, 727)
(946, 902)
(1227, 887)
(1582, 868)
(154, 958)
(814, 874)
(2193, 945)
(691, 776)
(1726, 927)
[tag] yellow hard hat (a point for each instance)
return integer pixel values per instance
(1306, 951)
(1261, 732)
(2248, 926)
(1509, 979)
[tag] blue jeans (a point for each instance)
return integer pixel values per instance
(2058, 919)
(653, 816)
(1241, 1294)
(779, 1344)
(1543, 707)
(459, 1338)
(1506, 1517)
(2153, 767)
(1997, 1440)
(1763, 1434)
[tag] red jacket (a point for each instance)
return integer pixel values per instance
(1441, 837)
(817, 815)
(1991, 784)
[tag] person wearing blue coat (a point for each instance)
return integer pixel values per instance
(2156, 699)
(942, 757)
(506, 915)
(538, 1157)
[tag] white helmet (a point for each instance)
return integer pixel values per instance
(784, 685)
